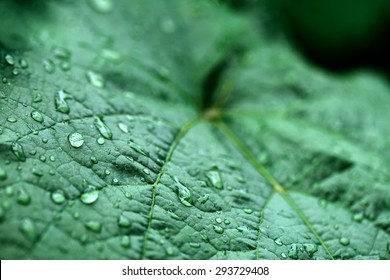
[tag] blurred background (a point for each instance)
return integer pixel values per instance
(340, 35)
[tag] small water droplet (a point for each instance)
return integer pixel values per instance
(9, 191)
(123, 127)
(168, 26)
(125, 242)
(23, 197)
(100, 141)
(52, 158)
(48, 66)
(4, 80)
(103, 129)
(218, 220)
(293, 251)
(76, 140)
(37, 172)
(65, 66)
(194, 245)
(58, 197)
(146, 171)
(358, 217)
(218, 229)
(248, 211)
(94, 226)
(76, 215)
(9, 59)
(107, 172)
(18, 151)
(101, 6)
(137, 148)
(45, 140)
(60, 102)
(29, 230)
(37, 97)
(310, 249)
(3, 174)
(15, 71)
(284, 256)
(214, 179)
(37, 116)
(23, 63)
(183, 193)
(169, 251)
(344, 241)
(203, 199)
(123, 222)
(89, 197)
(12, 119)
(61, 53)
(93, 160)
(95, 79)
(111, 55)
(278, 242)
(42, 158)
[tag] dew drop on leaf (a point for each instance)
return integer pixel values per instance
(18, 151)
(214, 178)
(37, 97)
(194, 245)
(28, 228)
(344, 241)
(358, 217)
(101, 6)
(218, 220)
(93, 226)
(293, 251)
(218, 229)
(61, 53)
(125, 242)
(310, 248)
(9, 59)
(183, 193)
(23, 63)
(137, 148)
(9, 191)
(23, 197)
(283, 255)
(95, 79)
(48, 66)
(123, 127)
(103, 129)
(37, 116)
(93, 160)
(107, 172)
(248, 211)
(65, 66)
(123, 222)
(89, 197)
(12, 119)
(58, 197)
(100, 141)
(278, 242)
(76, 140)
(146, 171)
(52, 158)
(60, 102)
(169, 251)
(42, 158)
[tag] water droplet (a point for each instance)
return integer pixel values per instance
(194, 245)
(169, 251)
(48, 66)
(100, 141)
(23, 63)
(123, 221)
(37, 172)
(95, 79)
(76, 140)
(101, 6)
(89, 197)
(214, 179)
(146, 171)
(358, 217)
(27, 227)
(203, 199)
(9, 59)
(93, 160)
(58, 197)
(37, 97)
(293, 251)
(3, 174)
(18, 151)
(52, 158)
(65, 66)
(45, 140)
(218, 220)
(115, 181)
(42, 158)
(218, 229)
(168, 26)
(125, 242)
(9, 191)
(12, 119)
(4, 79)
(111, 55)
(226, 222)
(310, 249)
(103, 129)
(284, 256)
(107, 172)
(94, 226)
(278, 242)
(23, 197)
(123, 127)
(183, 193)
(15, 71)
(76, 215)
(61, 53)
(344, 241)
(37, 116)
(60, 102)
(248, 211)
(137, 148)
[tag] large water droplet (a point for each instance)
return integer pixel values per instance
(37, 116)
(124, 221)
(218, 229)
(95, 79)
(76, 140)
(58, 197)
(310, 249)
(48, 66)
(344, 241)
(214, 179)
(89, 197)
(23, 197)
(125, 242)
(18, 151)
(60, 102)
(183, 193)
(101, 6)
(9, 59)
(3, 174)
(29, 230)
(103, 129)
(94, 226)
(169, 251)
(293, 251)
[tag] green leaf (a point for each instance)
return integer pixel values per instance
(108, 152)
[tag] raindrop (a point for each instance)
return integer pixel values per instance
(4, 80)
(95, 79)
(115, 181)
(60, 102)
(111, 55)
(93, 160)
(93, 226)
(123, 222)
(344, 241)
(310, 249)
(12, 119)
(18, 151)
(218, 220)
(248, 211)
(3, 174)
(205, 238)
(9, 59)
(278, 242)
(37, 116)
(146, 171)
(169, 251)
(23, 197)
(89, 197)
(218, 229)
(103, 129)
(293, 251)
(284, 256)
(37, 172)
(48, 66)
(65, 66)
(226, 222)
(123, 127)
(203, 199)
(76, 140)
(52, 158)
(358, 217)
(194, 245)
(37, 97)
(214, 179)
(23, 63)
(125, 242)
(27, 227)
(61, 53)
(58, 197)
(45, 140)
(183, 193)
(15, 71)
(100, 141)
(42, 158)
(101, 6)
(107, 172)
(9, 191)
(137, 148)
